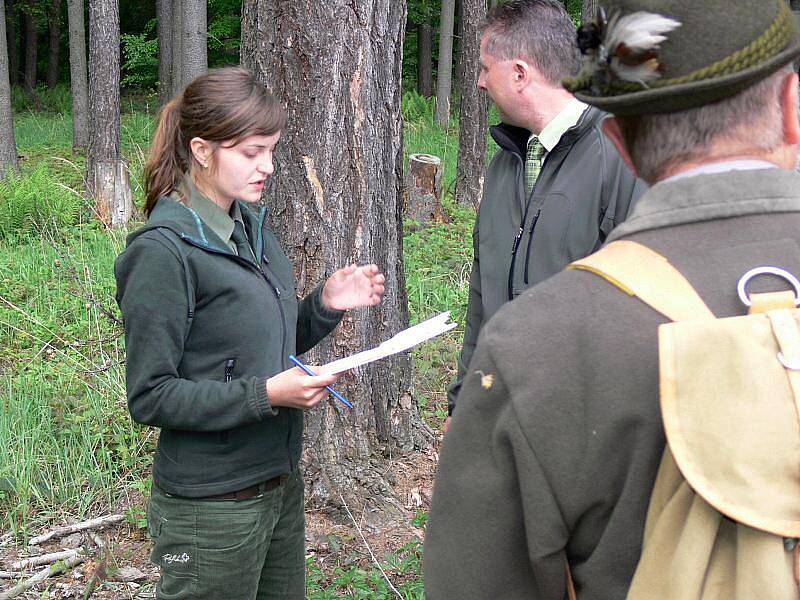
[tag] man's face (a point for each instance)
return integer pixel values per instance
(497, 78)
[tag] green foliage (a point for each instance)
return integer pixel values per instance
(56, 100)
(140, 59)
(33, 202)
(416, 108)
(224, 32)
(403, 568)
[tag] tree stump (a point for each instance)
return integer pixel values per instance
(112, 192)
(423, 189)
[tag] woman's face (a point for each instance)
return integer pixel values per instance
(240, 171)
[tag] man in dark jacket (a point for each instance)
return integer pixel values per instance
(554, 448)
(557, 187)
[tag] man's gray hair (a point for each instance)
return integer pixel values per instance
(748, 121)
(537, 31)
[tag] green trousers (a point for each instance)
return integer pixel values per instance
(229, 549)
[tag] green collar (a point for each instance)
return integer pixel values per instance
(216, 219)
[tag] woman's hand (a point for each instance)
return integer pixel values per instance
(352, 287)
(294, 389)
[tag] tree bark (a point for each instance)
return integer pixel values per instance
(795, 5)
(8, 146)
(445, 66)
(177, 43)
(588, 8)
(106, 174)
(336, 199)
(12, 19)
(54, 39)
(473, 110)
(29, 81)
(425, 57)
(194, 54)
(77, 74)
(164, 32)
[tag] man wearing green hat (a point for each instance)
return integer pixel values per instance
(552, 454)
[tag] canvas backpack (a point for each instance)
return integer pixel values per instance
(724, 516)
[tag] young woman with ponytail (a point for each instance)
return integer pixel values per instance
(210, 318)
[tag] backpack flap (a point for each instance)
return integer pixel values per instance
(731, 416)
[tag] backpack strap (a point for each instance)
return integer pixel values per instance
(641, 272)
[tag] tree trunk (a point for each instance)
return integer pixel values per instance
(164, 32)
(194, 54)
(8, 146)
(588, 8)
(106, 174)
(54, 31)
(473, 110)
(336, 201)
(11, 18)
(77, 74)
(177, 43)
(795, 4)
(423, 189)
(445, 66)
(425, 57)
(29, 82)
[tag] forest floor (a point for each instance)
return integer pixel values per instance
(341, 549)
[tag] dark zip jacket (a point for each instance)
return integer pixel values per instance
(204, 329)
(583, 191)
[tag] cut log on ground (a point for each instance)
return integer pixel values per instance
(44, 559)
(82, 526)
(423, 187)
(56, 569)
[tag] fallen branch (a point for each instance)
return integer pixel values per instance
(67, 529)
(374, 560)
(13, 574)
(56, 569)
(44, 559)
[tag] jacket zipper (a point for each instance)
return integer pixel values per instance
(270, 284)
(277, 292)
(521, 230)
(283, 353)
(530, 243)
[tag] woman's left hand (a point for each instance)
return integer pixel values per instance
(352, 287)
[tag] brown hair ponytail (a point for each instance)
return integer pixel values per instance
(165, 167)
(223, 105)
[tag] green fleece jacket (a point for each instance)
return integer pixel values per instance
(204, 329)
(555, 445)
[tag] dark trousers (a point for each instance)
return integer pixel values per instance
(236, 550)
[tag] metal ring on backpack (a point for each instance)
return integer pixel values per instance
(742, 286)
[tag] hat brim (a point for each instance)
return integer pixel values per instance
(690, 95)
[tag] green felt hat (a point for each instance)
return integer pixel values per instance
(711, 50)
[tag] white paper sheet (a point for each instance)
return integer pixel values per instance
(403, 340)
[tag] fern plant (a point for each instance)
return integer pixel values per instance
(34, 201)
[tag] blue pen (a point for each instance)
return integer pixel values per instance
(308, 371)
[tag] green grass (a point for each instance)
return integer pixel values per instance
(72, 447)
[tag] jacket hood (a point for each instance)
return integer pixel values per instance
(171, 214)
(515, 139)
